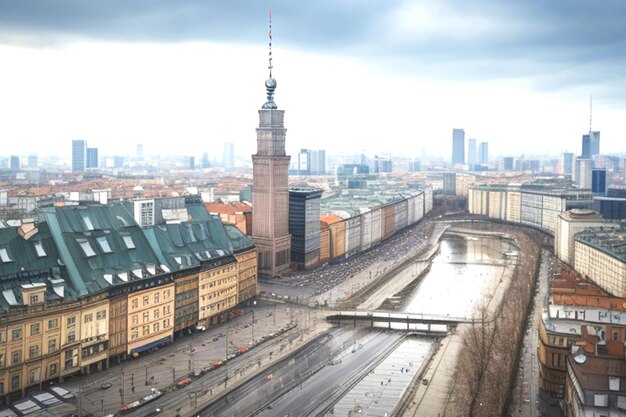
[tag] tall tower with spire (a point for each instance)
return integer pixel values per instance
(270, 188)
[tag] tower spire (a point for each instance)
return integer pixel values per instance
(270, 83)
(590, 100)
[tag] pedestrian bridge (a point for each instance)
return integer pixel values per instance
(411, 322)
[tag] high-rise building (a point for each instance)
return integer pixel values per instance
(139, 151)
(304, 226)
(92, 157)
(508, 163)
(118, 161)
(382, 164)
(567, 163)
(205, 160)
(228, 160)
(594, 143)
(191, 163)
(317, 162)
(483, 152)
(415, 165)
(598, 181)
(472, 158)
(32, 160)
(14, 163)
(458, 146)
(79, 155)
(449, 183)
(270, 189)
(583, 173)
(304, 167)
(586, 148)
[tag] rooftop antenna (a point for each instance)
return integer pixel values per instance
(270, 83)
(270, 44)
(590, 109)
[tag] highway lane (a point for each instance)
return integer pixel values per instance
(310, 380)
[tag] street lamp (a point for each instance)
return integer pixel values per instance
(253, 306)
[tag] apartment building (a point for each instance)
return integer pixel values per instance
(568, 224)
(87, 284)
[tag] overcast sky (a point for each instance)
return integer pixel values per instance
(182, 77)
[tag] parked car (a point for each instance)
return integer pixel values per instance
(106, 385)
(61, 393)
(217, 363)
(183, 382)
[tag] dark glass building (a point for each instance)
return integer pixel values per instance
(304, 226)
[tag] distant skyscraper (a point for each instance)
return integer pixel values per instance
(191, 162)
(598, 181)
(317, 162)
(229, 156)
(118, 161)
(205, 160)
(471, 152)
(32, 160)
(303, 163)
(594, 143)
(14, 163)
(139, 151)
(79, 155)
(382, 164)
(458, 146)
(508, 163)
(586, 148)
(483, 152)
(270, 188)
(415, 165)
(92, 157)
(567, 163)
(583, 173)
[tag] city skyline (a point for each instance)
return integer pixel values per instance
(188, 86)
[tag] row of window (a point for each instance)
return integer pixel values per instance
(146, 298)
(145, 329)
(155, 314)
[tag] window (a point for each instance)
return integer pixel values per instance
(145, 330)
(128, 241)
(15, 382)
(16, 357)
(1, 361)
(53, 324)
(33, 352)
(135, 319)
(155, 313)
(134, 335)
(4, 256)
(16, 334)
(87, 249)
(104, 244)
(39, 249)
(88, 318)
(35, 329)
(156, 297)
(52, 345)
(34, 299)
(71, 321)
(155, 327)
(166, 323)
(146, 300)
(100, 315)
(166, 294)
(615, 336)
(146, 316)
(135, 303)
(71, 337)
(88, 223)
(52, 369)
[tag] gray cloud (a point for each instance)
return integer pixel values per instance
(556, 44)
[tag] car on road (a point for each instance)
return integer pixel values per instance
(183, 382)
(217, 363)
(106, 385)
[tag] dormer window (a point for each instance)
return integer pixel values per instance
(104, 244)
(88, 223)
(86, 247)
(34, 299)
(4, 256)
(128, 241)
(40, 250)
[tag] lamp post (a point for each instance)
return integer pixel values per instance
(253, 306)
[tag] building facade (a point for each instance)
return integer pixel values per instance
(270, 189)
(304, 226)
(79, 155)
(458, 146)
